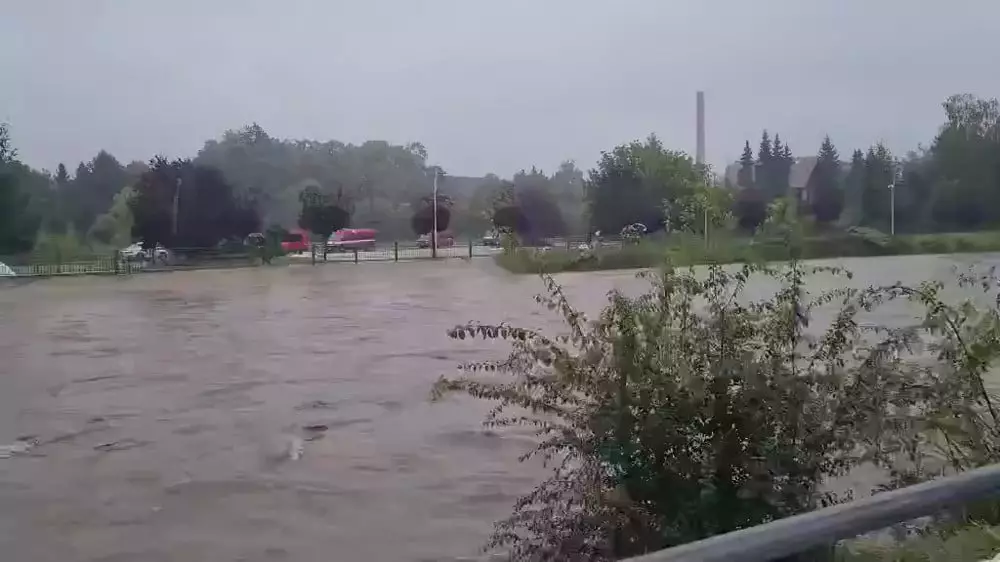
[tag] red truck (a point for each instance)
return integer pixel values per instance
(295, 242)
(352, 238)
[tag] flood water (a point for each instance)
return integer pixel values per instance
(170, 411)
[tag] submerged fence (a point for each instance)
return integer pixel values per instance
(113, 263)
(782, 539)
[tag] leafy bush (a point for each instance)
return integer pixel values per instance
(693, 409)
(63, 248)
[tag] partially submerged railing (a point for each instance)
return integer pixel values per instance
(793, 535)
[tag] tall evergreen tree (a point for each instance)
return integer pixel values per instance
(854, 184)
(744, 177)
(764, 151)
(879, 170)
(781, 168)
(777, 147)
(62, 176)
(827, 198)
(765, 156)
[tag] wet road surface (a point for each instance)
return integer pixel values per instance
(266, 414)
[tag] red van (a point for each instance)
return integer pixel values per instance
(352, 238)
(295, 242)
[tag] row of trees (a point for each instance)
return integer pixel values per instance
(315, 185)
(321, 185)
(949, 185)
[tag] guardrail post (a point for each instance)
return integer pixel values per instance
(355, 255)
(395, 251)
(114, 258)
(312, 251)
(470, 248)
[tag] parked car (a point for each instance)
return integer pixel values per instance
(295, 242)
(351, 239)
(6, 270)
(135, 252)
(444, 240)
(491, 239)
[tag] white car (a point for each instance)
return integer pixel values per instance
(6, 271)
(159, 253)
(134, 251)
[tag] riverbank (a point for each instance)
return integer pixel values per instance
(689, 251)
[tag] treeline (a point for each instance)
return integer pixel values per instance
(952, 184)
(259, 182)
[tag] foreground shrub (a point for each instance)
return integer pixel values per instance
(693, 409)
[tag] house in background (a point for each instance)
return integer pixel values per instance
(801, 178)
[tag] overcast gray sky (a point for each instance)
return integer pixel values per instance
(485, 85)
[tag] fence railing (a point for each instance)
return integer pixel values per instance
(397, 251)
(801, 533)
(199, 258)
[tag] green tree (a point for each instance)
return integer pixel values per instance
(966, 164)
(91, 191)
(322, 214)
(765, 166)
(745, 176)
(854, 188)
(188, 207)
(423, 220)
(782, 163)
(828, 194)
(62, 178)
(879, 173)
(19, 218)
(639, 182)
(382, 180)
(750, 208)
(567, 188)
(534, 196)
(115, 226)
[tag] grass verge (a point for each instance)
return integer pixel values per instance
(684, 250)
(971, 544)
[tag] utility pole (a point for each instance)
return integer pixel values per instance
(897, 176)
(700, 147)
(434, 212)
(892, 209)
(177, 202)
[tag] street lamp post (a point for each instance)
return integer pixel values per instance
(176, 207)
(897, 176)
(892, 208)
(434, 212)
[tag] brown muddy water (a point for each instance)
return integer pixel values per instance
(170, 412)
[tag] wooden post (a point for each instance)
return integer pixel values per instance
(470, 248)
(114, 258)
(312, 251)
(355, 255)
(395, 251)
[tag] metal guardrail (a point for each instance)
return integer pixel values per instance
(800, 533)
